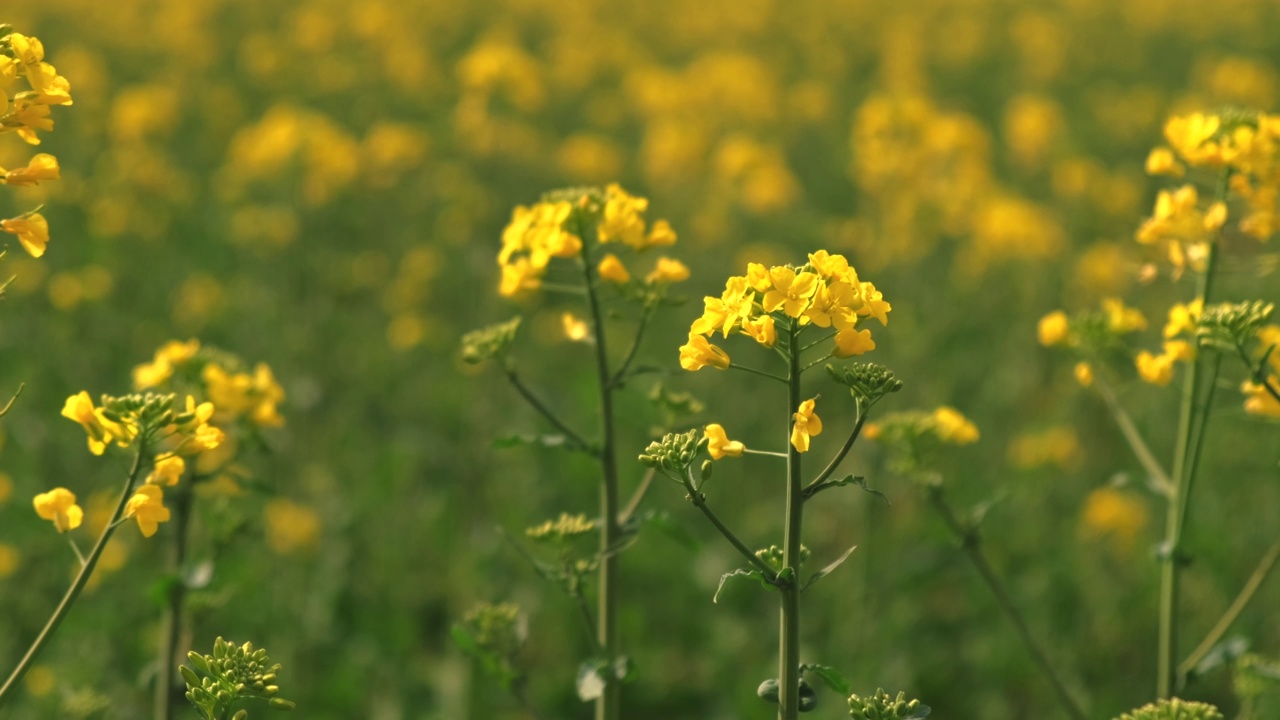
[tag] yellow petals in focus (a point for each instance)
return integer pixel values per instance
(612, 269)
(147, 507)
(1084, 374)
(32, 231)
(953, 427)
(718, 443)
(41, 167)
(668, 270)
(1053, 329)
(806, 424)
(698, 353)
(1155, 369)
(59, 506)
(761, 330)
(853, 342)
(167, 470)
(574, 327)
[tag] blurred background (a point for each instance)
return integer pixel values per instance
(321, 186)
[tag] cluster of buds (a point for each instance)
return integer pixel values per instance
(489, 342)
(866, 381)
(233, 673)
(494, 633)
(26, 112)
(880, 705)
(565, 528)
(1175, 709)
(557, 226)
(136, 417)
(674, 452)
(776, 558)
(1228, 326)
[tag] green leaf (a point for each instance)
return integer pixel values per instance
(826, 570)
(740, 572)
(1223, 653)
(830, 676)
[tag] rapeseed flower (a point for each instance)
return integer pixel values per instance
(59, 506)
(718, 443)
(806, 424)
(147, 507)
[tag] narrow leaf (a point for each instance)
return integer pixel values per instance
(740, 572)
(826, 570)
(830, 676)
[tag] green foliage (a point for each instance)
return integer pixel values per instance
(233, 675)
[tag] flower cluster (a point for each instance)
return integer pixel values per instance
(945, 424)
(233, 673)
(1173, 709)
(555, 227)
(826, 293)
(1243, 146)
(880, 705)
(239, 394)
(26, 112)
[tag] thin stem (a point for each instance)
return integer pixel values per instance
(770, 453)
(699, 501)
(1141, 450)
(589, 623)
(76, 549)
(969, 541)
(557, 287)
(171, 625)
(9, 405)
(551, 417)
(819, 361)
(819, 341)
(609, 705)
(620, 376)
(637, 497)
(1166, 641)
(73, 592)
(771, 376)
(1229, 617)
(812, 488)
(789, 587)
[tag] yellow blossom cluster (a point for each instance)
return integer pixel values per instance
(554, 228)
(826, 293)
(1179, 344)
(1259, 399)
(1246, 149)
(237, 394)
(27, 112)
(1110, 512)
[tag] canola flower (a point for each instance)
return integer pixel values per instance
(824, 293)
(26, 112)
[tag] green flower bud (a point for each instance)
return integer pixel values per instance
(282, 704)
(867, 381)
(768, 691)
(489, 342)
(1174, 709)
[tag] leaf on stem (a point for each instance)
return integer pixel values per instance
(507, 442)
(740, 572)
(830, 676)
(828, 569)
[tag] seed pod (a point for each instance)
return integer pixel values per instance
(808, 697)
(768, 691)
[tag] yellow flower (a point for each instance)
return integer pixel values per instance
(147, 507)
(612, 269)
(668, 270)
(32, 231)
(9, 559)
(853, 342)
(661, 234)
(574, 327)
(1155, 369)
(762, 330)
(953, 427)
(1084, 374)
(732, 307)
(621, 220)
(835, 305)
(1053, 328)
(1161, 161)
(832, 267)
(167, 470)
(59, 505)
(699, 353)
(1111, 512)
(79, 407)
(1183, 318)
(791, 291)
(1192, 136)
(1121, 318)
(718, 443)
(41, 167)
(873, 303)
(807, 424)
(1180, 350)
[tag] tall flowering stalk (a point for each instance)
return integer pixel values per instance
(1235, 156)
(804, 315)
(588, 229)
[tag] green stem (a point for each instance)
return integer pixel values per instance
(1166, 642)
(77, 585)
(1139, 446)
(1229, 617)
(172, 622)
(969, 541)
(609, 704)
(546, 412)
(619, 377)
(789, 586)
(814, 487)
(771, 376)
(699, 501)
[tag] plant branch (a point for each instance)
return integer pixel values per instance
(1224, 623)
(762, 373)
(637, 497)
(1141, 450)
(969, 542)
(699, 501)
(547, 413)
(620, 376)
(77, 585)
(816, 486)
